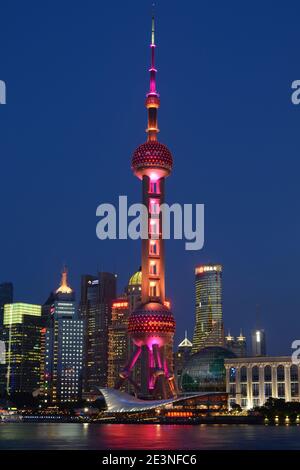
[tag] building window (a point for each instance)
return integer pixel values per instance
(232, 389)
(255, 390)
(281, 390)
(154, 187)
(268, 374)
(154, 228)
(256, 402)
(244, 403)
(153, 289)
(244, 390)
(243, 374)
(294, 373)
(280, 374)
(232, 374)
(154, 207)
(153, 248)
(255, 374)
(153, 268)
(268, 390)
(294, 389)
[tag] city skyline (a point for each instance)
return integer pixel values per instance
(259, 257)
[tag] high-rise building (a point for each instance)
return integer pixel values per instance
(151, 326)
(258, 338)
(181, 357)
(97, 295)
(209, 329)
(117, 340)
(62, 347)
(119, 345)
(237, 345)
(6, 297)
(22, 337)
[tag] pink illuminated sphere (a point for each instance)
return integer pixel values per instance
(152, 158)
(151, 323)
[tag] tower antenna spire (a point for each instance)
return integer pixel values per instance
(152, 101)
(153, 25)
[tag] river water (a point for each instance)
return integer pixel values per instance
(146, 436)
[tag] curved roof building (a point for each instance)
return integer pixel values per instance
(121, 402)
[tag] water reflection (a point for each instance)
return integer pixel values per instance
(148, 436)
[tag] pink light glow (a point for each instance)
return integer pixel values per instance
(154, 340)
(166, 368)
(153, 177)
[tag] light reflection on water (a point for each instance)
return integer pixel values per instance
(146, 436)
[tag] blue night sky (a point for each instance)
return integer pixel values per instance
(76, 75)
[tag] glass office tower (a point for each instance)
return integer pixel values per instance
(97, 295)
(62, 346)
(209, 329)
(22, 337)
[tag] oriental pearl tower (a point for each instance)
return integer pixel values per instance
(151, 326)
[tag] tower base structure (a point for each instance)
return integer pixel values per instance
(151, 328)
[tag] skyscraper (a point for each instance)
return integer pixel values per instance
(209, 316)
(258, 337)
(97, 295)
(6, 297)
(22, 336)
(151, 326)
(117, 340)
(62, 346)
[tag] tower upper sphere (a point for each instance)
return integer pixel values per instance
(152, 158)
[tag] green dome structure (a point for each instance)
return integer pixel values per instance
(136, 279)
(205, 371)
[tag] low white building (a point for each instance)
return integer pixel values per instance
(250, 381)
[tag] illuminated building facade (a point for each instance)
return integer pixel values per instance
(151, 325)
(22, 336)
(117, 340)
(237, 345)
(97, 295)
(209, 329)
(62, 347)
(251, 381)
(258, 338)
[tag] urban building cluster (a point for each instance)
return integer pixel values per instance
(122, 345)
(62, 352)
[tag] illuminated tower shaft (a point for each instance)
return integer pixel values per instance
(153, 185)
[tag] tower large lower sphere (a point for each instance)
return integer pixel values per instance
(152, 325)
